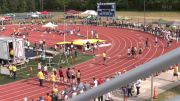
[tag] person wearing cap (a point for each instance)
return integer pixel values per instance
(14, 71)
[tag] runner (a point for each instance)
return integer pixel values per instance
(156, 42)
(140, 51)
(129, 52)
(147, 42)
(104, 57)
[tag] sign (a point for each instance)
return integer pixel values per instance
(106, 9)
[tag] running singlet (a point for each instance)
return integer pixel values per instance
(104, 55)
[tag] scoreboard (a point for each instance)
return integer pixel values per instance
(106, 9)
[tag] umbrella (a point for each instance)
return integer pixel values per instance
(45, 12)
(160, 21)
(72, 12)
(50, 25)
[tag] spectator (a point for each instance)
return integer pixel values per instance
(100, 81)
(25, 99)
(10, 70)
(59, 97)
(68, 74)
(61, 74)
(73, 75)
(125, 93)
(138, 85)
(40, 99)
(87, 86)
(175, 71)
(55, 90)
(53, 79)
(48, 97)
(129, 88)
(53, 97)
(14, 71)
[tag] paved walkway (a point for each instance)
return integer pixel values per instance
(162, 82)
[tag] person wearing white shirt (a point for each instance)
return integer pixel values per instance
(95, 82)
(138, 85)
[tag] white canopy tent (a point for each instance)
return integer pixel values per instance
(90, 12)
(50, 25)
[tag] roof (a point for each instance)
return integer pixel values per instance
(9, 39)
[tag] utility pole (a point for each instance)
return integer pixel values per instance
(42, 5)
(144, 12)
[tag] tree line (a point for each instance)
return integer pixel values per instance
(9, 6)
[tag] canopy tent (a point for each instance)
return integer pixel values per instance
(38, 12)
(35, 15)
(72, 12)
(160, 21)
(91, 17)
(123, 18)
(174, 24)
(44, 13)
(90, 12)
(81, 42)
(5, 18)
(50, 25)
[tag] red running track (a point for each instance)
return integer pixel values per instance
(120, 39)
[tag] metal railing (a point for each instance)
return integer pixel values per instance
(156, 65)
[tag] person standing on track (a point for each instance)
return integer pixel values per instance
(147, 43)
(129, 52)
(73, 75)
(68, 74)
(104, 57)
(140, 51)
(53, 79)
(61, 74)
(40, 77)
(78, 76)
(156, 42)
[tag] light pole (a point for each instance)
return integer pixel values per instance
(42, 5)
(144, 12)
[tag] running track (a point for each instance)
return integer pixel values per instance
(120, 39)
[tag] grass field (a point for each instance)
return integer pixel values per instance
(24, 73)
(169, 94)
(150, 16)
(135, 15)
